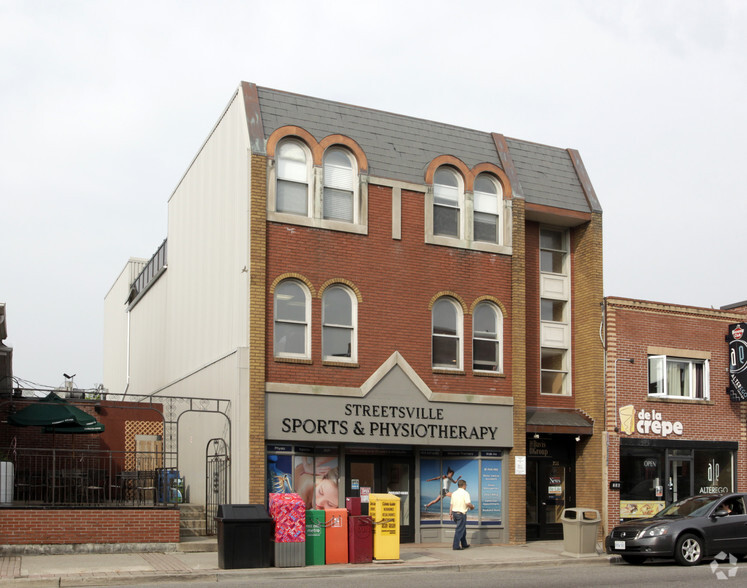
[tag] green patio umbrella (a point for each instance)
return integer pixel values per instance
(56, 415)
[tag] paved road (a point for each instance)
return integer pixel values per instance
(566, 576)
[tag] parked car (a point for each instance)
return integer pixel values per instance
(689, 530)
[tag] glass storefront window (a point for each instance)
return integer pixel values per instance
(713, 472)
(641, 472)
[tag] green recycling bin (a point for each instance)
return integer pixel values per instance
(315, 521)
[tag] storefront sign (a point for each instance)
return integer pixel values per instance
(737, 362)
(649, 422)
(395, 411)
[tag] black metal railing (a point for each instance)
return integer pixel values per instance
(92, 478)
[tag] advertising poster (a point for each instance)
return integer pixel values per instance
(316, 480)
(491, 503)
(438, 479)
(279, 474)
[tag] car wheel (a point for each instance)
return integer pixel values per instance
(689, 550)
(635, 560)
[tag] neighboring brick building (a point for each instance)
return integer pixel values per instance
(382, 299)
(673, 429)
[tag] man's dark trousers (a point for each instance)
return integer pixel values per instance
(460, 534)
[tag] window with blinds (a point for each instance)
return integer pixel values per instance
(338, 199)
(446, 202)
(292, 179)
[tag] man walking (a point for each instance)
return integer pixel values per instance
(460, 504)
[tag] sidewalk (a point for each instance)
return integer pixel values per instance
(86, 569)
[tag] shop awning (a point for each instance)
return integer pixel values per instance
(556, 420)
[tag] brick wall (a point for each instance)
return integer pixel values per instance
(256, 314)
(71, 526)
(588, 357)
(632, 326)
(396, 280)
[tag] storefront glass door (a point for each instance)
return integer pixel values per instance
(679, 478)
(384, 475)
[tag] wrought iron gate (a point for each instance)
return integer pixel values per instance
(217, 476)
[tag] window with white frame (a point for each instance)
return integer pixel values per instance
(488, 199)
(487, 333)
(555, 337)
(338, 324)
(554, 368)
(293, 193)
(339, 198)
(678, 377)
(447, 334)
(448, 202)
(292, 314)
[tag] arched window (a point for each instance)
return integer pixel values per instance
(340, 185)
(487, 334)
(447, 334)
(488, 195)
(293, 178)
(338, 324)
(448, 198)
(292, 318)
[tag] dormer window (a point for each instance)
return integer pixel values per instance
(339, 198)
(448, 199)
(293, 178)
(488, 197)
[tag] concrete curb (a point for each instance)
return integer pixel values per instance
(215, 576)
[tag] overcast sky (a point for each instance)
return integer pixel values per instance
(104, 104)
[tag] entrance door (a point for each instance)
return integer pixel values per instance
(384, 475)
(679, 478)
(547, 496)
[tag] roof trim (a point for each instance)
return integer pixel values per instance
(254, 118)
(583, 178)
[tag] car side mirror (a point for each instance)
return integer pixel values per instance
(720, 513)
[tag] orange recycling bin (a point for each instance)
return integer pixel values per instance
(336, 547)
(384, 510)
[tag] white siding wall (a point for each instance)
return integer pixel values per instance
(208, 248)
(189, 332)
(115, 327)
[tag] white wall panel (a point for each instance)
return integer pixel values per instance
(115, 327)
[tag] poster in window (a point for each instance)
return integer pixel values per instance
(316, 480)
(438, 480)
(491, 503)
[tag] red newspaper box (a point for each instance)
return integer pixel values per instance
(336, 540)
(353, 504)
(360, 539)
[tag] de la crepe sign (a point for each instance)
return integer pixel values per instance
(737, 362)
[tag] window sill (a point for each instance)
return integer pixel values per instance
(343, 364)
(293, 360)
(488, 374)
(676, 400)
(449, 372)
(317, 223)
(459, 243)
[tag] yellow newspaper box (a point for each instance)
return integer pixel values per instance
(384, 510)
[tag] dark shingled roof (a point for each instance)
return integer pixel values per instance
(401, 147)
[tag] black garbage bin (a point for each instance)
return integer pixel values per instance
(244, 536)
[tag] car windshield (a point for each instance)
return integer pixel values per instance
(689, 507)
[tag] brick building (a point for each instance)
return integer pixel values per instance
(672, 427)
(388, 304)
